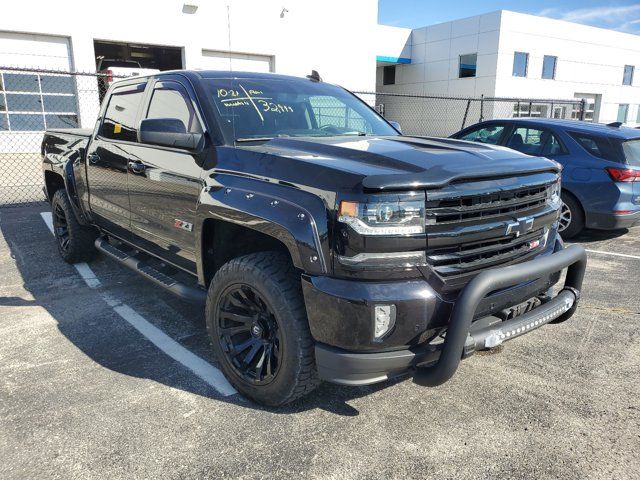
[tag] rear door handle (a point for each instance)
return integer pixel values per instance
(136, 167)
(93, 158)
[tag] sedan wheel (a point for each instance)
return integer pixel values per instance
(565, 218)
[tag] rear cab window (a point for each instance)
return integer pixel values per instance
(120, 117)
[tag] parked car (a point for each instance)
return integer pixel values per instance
(323, 244)
(601, 166)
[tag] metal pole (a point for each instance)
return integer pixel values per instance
(482, 107)
(466, 112)
(583, 106)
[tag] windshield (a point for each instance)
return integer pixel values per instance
(262, 109)
(632, 152)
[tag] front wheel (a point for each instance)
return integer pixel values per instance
(258, 327)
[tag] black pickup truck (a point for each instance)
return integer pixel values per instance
(324, 244)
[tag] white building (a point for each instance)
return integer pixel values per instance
(334, 37)
(508, 54)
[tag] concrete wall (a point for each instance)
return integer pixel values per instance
(590, 61)
(334, 37)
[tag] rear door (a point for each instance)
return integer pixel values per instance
(109, 153)
(165, 183)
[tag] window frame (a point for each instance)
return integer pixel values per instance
(475, 69)
(541, 128)
(103, 113)
(631, 74)
(385, 69)
(184, 92)
(38, 93)
(626, 112)
(526, 64)
(555, 66)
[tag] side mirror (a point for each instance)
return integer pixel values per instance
(168, 132)
(395, 125)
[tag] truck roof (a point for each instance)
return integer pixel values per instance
(212, 74)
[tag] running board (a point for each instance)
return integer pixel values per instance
(182, 290)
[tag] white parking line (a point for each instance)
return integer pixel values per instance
(207, 372)
(83, 269)
(600, 252)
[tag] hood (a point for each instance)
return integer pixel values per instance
(397, 163)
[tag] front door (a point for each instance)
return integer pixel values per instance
(108, 157)
(165, 183)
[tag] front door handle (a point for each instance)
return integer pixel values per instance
(93, 158)
(136, 167)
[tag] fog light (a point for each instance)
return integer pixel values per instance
(384, 318)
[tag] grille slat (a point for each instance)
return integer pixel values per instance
(466, 226)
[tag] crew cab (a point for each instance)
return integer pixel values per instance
(323, 244)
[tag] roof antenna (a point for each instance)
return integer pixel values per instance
(614, 124)
(315, 76)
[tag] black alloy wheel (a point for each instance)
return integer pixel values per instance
(250, 335)
(61, 228)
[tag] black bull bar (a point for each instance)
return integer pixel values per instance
(458, 338)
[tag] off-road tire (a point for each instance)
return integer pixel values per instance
(75, 242)
(273, 277)
(576, 224)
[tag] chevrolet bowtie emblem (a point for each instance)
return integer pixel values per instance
(519, 227)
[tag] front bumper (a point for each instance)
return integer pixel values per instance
(434, 364)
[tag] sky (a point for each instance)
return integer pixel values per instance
(618, 15)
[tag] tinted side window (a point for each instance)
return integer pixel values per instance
(534, 141)
(490, 134)
(122, 110)
(597, 146)
(170, 100)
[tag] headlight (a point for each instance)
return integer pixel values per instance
(554, 194)
(388, 215)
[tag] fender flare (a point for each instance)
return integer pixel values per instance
(295, 217)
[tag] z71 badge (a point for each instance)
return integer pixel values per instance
(183, 225)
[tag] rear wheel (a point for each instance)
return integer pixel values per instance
(75, 241)
(258, 327)
(571, 221)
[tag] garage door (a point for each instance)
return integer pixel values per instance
(240, 62)
(26, 50)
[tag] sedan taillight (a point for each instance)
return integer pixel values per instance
(623, 174)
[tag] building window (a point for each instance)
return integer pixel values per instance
(468, 65)
(623, 112)
(389, 75)
(627, 78)
(31, 102)
(520, 64)
(549, 67)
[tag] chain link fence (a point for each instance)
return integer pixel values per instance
(33, 100)
(441, 116)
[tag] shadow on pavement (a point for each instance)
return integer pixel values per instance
(114, 344)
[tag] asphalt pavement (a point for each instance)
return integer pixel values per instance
(104, 375)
